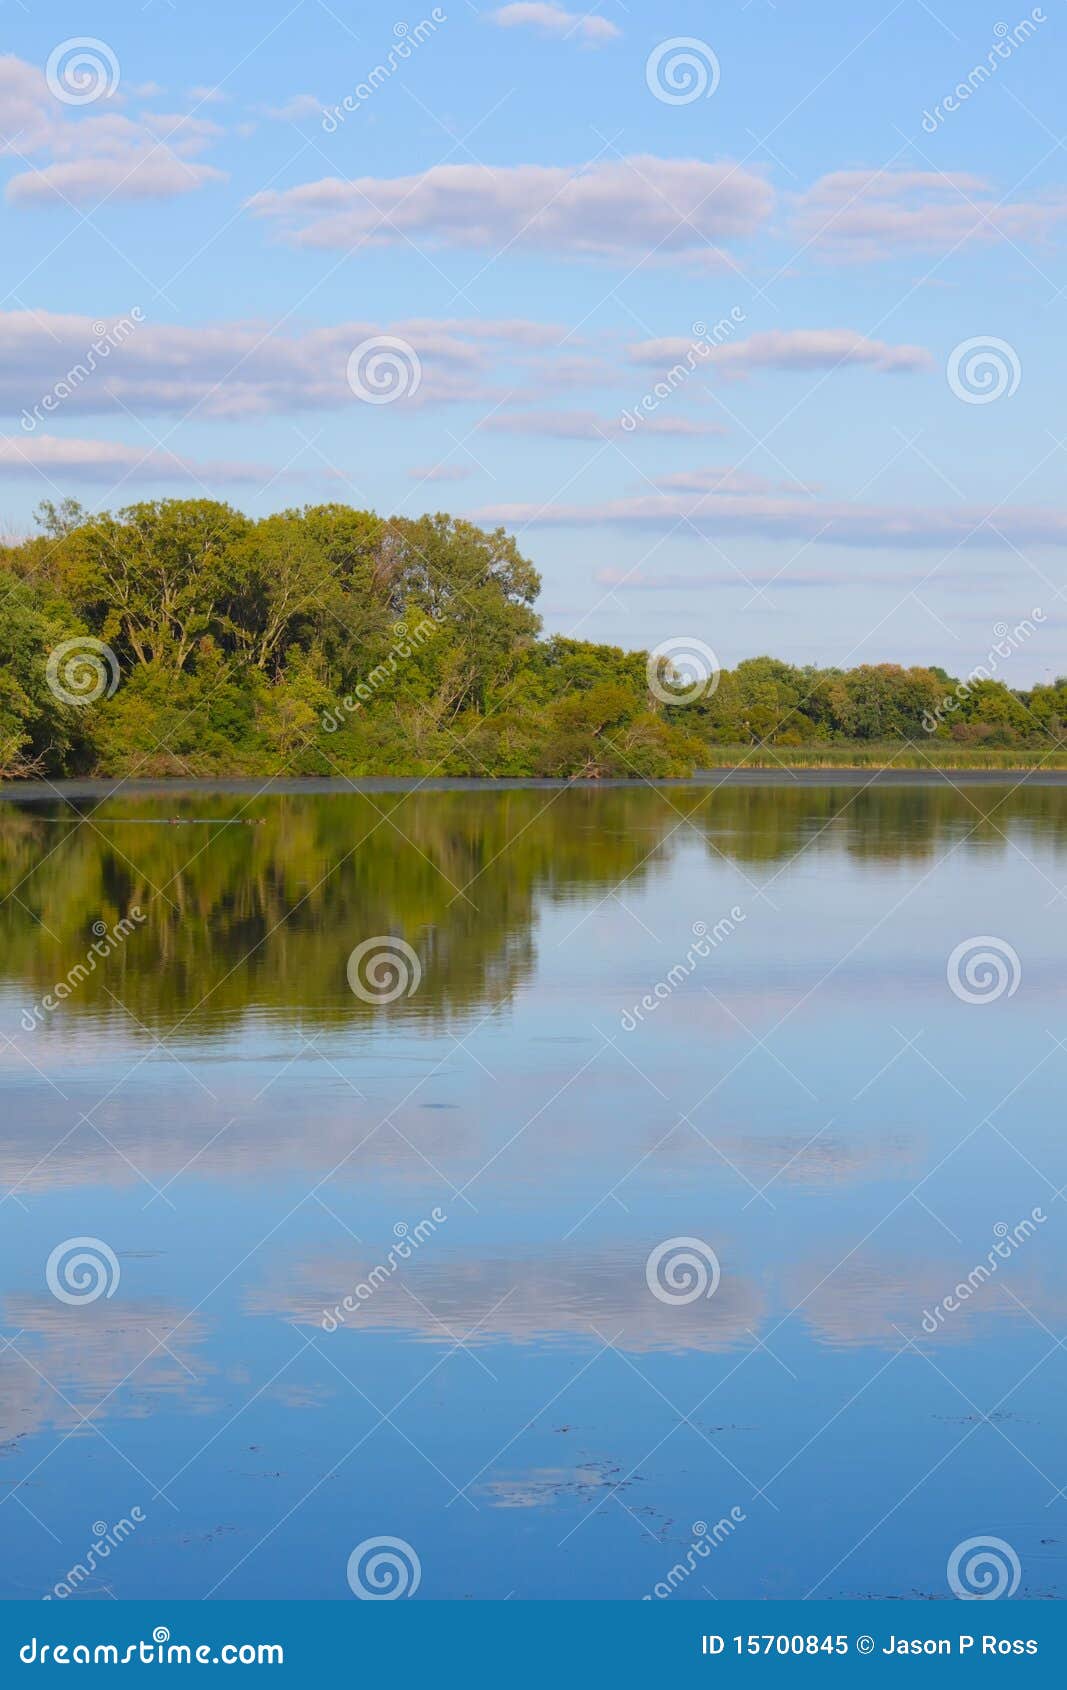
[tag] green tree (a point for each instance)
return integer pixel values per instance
(151, 579)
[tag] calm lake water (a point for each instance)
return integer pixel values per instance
(524, 1398)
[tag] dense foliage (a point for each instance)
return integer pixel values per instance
(333, 641)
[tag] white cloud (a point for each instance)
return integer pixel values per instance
(724, 580)
(722, 479)
(85, 181)
(587, 425)
(871, 214)
(238, 369)
(82, 156)
(30, 117)
(792, 349)
(520, 331)
(834, 522)
(553, 20)
(608, 209)
(680, 426)
(553, 425)
(112, 461)
(296, 108)
(442, 472)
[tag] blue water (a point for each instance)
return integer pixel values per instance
(810, 1101)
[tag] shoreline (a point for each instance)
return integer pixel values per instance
(25, 792)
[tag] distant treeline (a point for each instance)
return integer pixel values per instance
(181, 637)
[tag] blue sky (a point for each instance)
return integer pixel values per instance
(213, 234)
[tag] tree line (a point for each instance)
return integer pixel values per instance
(180, 637)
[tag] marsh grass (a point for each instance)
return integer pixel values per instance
(893, 755)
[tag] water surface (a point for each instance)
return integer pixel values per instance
(572, 1085)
